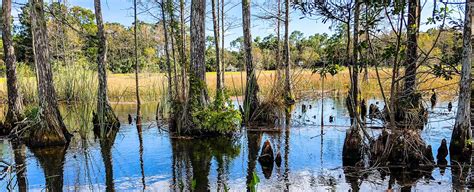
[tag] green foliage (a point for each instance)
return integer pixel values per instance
(193, 184)
(254, 182)
(219, 117)
(31, 112)
(331, 69)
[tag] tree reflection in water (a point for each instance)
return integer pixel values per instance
(19, 151)
(52, 161)
(193, 159)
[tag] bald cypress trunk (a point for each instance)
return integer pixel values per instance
(14, 113)
(288, 93)
(106, 117)
(222, 43)
(412, 47)
(183, 51)
(215, 22)
(198, 97)
(251, 102)
(472, 66)
(278, 51)
(135, 38)
(51, 129)
(354, 95)
(459, 147)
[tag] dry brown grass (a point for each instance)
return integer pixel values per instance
(305, 83)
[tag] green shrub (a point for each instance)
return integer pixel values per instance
(219, 117)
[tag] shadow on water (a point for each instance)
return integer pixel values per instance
(52, 161)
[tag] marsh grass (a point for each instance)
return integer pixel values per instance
(79, 84)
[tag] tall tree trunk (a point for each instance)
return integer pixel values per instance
(288, 94)
(354, 97)
(14, 113)
(472, 65)
(167, 54)
(459, 146)
(222, 43)
(216, 44)
(197, 82)
(183, 51)
(413, 28)
(105, 115)
(52, 130)
(251, 102)
(170, 10)
(137, 87)
(278, 51)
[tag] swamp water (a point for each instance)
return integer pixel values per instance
(145, 158)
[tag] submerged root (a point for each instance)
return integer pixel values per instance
(353, 147)
(405, 148)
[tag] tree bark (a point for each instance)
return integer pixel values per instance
(222, 43)
(197, 82)
(167, 54)
(462, 126)
(472, 66)
(137, 87)
(170, 10)
(14, 113)
(215, 22)
(105, 115)
(278, 51)
(251, 102)
(288, 94)
(183, 51)
(52, 130)
(412, 46)
(354, 95)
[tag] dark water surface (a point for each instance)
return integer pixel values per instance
(145, 158)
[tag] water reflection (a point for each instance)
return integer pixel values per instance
(140, 140)
(106, 143)
(19, 151)
(192, 162)
(253, 145)
(51, 160)
(311, 158)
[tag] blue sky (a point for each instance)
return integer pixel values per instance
(120, 11)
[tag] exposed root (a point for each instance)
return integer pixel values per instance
(352, 151)
(401, 148)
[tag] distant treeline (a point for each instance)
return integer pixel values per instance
(72, 38)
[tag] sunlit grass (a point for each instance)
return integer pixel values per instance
(81, 85)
